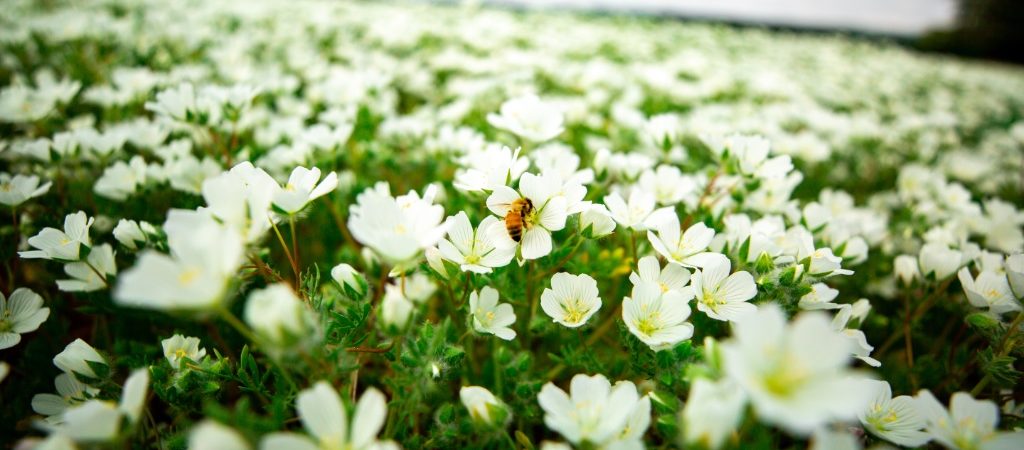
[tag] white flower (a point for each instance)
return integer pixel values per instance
(100, 420)
(668, 185)
(858, 341)
(397, 229)
(323, 416)
(61, 245)
(905, 269)
(657, 317)
(70, 392)
(490, 168)
(1014, 267)
(670, 278)
(820, 297)
(395, 309)
(474, 250)
(210, 435)
(179, 347)
(483, 406)
(571, 300)
(968, 424)
(795, 374)
(898, 420)
(278, 316)
(989, 290)
(938, 261)
(529, 118)
(120, 180)
(824, 263)
(489, 316)
(596, 221)
(19, 188)
(76, 357)
(594, 411)
(22, 313)
(723, 296)
(349, 279)
(712, 412)
(548, 214)
(826, 439)
(685, 249)
(92, 274)
(204, 258)
(302, 188)
(131, 234)
(241, 199)
(633, 214)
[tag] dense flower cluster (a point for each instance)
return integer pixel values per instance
(318, 224)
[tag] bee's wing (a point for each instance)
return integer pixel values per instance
(501, 200)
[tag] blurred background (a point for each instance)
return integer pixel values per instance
(990, 29)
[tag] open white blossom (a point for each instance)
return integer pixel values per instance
(548, 214)
(795, 374)
(328, 425)
(899, 420)
(593, 411)
(723, 296)
(178, 347)
(22, 313)
(685, 249)
(712, 412)
(571, 300)
(657, 317)
(989, 290)
(474, 250)
(61, 245)
(489, 316)
(967, 424)
(15, 190)
(529, 118)
(397, 229)
(302, 188)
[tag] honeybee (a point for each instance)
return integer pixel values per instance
(515, 220)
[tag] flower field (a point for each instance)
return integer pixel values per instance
(355, 225)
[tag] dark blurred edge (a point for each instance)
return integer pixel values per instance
(990, 29)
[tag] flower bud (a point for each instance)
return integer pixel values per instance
(484, 407)
(905, 269)
(596, 221)
(79, 358)
(277, 315)
(351, 281)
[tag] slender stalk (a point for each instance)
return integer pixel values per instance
(287, 252)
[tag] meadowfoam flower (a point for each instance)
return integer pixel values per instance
(669, 278)
(241, 199)
(474, 250)
(712, 412)
(397, 229)
(351, 281)
(634, 213)
(968, 424)
(20, 188)
(596, 221)
(529, 118)
(796, 374)
(593, 412)
(859, 342)
(548, 214)
(937, 261)
(328, 426)
(101, 420)
(490, 168)
(70, 392)
(204, 257)
(92, 274)
(302, 188)
(178, 347)
(491, 317)
(723, 296)
(685, 249)
(483, 406)
(1014, 267)
(571, 300)
(898, 420)
(78, 358)
(60, 245)
(905, 269)
(820, 297)
(22, 313)
(210, 435)
(132, 234)
(656, 317)
(280, 318)
(989, 290)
